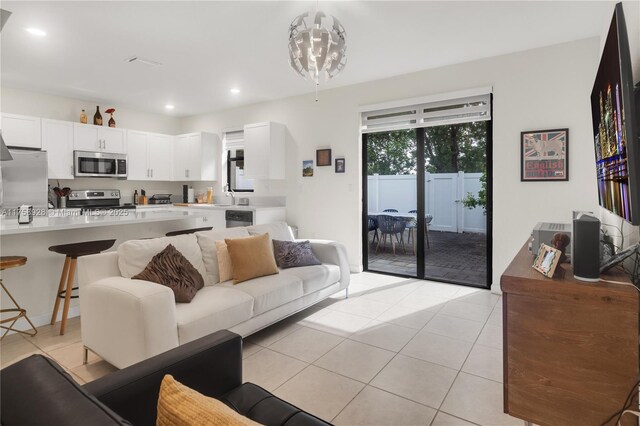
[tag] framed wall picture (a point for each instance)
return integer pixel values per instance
(323, 157)
(340, 166)
(544, 155)
(307, 168)
(546, 260)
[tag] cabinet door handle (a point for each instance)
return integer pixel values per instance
(151, 172)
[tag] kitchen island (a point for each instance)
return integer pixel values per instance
(34, 285)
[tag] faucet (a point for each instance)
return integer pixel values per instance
(229, 193)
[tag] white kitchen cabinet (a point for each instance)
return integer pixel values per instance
(113, 139)
(196, 157)
(214, 218)
(87, 137)
(57, 140)
(21, 131)
(149, 156)
(137, 162)
(160, 155)
(264, 151)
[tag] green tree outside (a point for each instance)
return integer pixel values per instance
(448, 149)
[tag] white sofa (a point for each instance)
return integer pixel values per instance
(126, 321)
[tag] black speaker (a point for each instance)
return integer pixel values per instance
(185, 193)
(586, 248)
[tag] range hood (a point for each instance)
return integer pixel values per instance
(5, 155)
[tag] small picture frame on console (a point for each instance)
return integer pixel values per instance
(547, 260)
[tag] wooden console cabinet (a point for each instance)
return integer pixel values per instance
(570, 347)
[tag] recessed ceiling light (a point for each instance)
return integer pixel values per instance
(36, 32)
(235, 90)
(169, 106)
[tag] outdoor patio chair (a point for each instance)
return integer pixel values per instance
(427, 220)
(411, 225)
(373, 226)
(391, 226)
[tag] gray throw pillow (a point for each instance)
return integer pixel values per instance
(290, 254)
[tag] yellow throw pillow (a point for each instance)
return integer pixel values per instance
(225, 268)
(179, 405)
(251, 257)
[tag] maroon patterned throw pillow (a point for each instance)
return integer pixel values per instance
(291, 254)
(172, 269)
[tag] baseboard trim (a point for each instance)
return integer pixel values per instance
(355, 269)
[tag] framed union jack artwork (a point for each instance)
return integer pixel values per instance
(544, 155)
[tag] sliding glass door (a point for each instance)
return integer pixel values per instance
(391, 172)
(456, 247)
(427, 202)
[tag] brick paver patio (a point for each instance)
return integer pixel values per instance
(451, 256)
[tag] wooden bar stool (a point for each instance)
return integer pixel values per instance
(72, 253)
(7, 262)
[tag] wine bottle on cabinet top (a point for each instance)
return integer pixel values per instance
(97, 117)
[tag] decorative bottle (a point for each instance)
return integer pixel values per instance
(111, 122)
(135, 197)
(97, 117)
(83, 117)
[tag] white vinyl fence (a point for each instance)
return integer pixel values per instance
(444, 195)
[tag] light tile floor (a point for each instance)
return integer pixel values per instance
(397, 352)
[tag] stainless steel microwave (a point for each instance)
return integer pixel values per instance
(99, 164)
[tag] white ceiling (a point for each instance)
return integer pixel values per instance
(208, 47)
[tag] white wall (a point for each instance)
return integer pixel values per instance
(544, 88)
(36, 104)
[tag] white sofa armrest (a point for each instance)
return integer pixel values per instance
(126, 321)
(334, 253)
(95, 267)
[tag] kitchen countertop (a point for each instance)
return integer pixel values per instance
(206, 207)
(9, 225)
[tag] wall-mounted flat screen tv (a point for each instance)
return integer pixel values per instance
(615, 125)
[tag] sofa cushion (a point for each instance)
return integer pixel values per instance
(256, 403)
(315, 277)
(269, 292)
(276, 230)
(225, 267)
(178, 405)
(135, 255)
(291, 254)
(172, 269)
(213, 308)
(37, 391)
(207, 242)
(251, 257)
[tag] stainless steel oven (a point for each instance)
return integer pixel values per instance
(99, 164)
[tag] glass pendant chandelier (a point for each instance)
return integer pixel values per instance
(317, 45)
